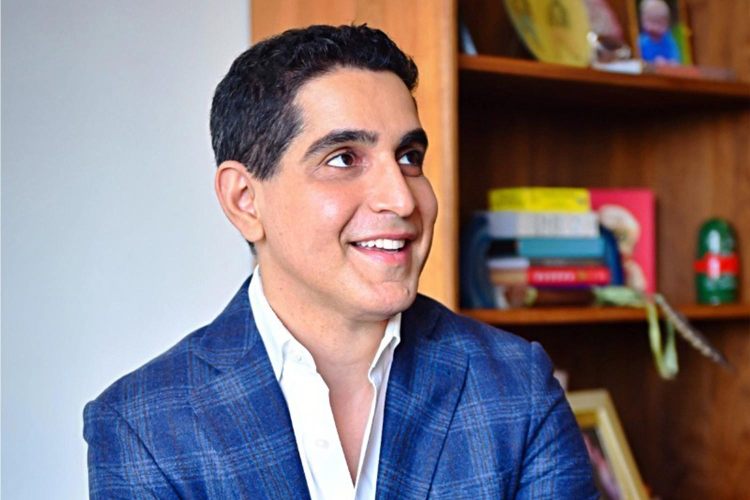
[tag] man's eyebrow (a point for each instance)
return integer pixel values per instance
(416, 136)
(337, 137)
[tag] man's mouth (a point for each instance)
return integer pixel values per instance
(382, 244)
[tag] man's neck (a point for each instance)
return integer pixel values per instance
(342, 348)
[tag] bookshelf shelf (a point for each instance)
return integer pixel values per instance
(591, 315)
(530, 81)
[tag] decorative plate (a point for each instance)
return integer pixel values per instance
(555, 31)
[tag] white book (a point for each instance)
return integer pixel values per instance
(508, 263)
(514, 224)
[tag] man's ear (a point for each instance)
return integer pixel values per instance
(236, 189)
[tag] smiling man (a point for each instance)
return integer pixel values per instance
(328, 376)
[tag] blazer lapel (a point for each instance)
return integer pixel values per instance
(243, 412)
(426, 380)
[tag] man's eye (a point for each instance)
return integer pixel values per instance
(412, 158)
(342, 160)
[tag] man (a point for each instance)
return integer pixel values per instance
(327, 376)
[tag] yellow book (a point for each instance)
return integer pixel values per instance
(540, 199)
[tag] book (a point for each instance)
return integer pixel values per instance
(522, 262)
(549, 248)
(515, 296)
(477, 290)
(509, 263)
(566, 262)
(514, 224)
(630, 215)
(540, 199)
(551, 276)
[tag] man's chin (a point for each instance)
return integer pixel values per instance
(394, 302)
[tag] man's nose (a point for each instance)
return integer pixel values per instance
(390, 191)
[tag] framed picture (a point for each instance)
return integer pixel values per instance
(615, 472)
(663, 34)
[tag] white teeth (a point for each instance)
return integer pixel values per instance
(383, 243)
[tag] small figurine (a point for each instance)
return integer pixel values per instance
(716, 265)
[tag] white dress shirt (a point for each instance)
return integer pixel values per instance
(306, 396)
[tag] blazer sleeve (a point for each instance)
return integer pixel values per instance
(120, 465)
(556, 464)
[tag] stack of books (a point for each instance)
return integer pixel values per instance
(539, 246)
(546, 245)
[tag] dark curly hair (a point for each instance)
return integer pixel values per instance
(253, 118)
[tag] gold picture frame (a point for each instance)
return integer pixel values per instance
(615, 471)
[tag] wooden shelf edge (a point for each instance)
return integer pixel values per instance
(588, 315)
(556, 72)
(722, 312)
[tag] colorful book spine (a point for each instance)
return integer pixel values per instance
(480, 252)
(508, 263)
(552, 276)
(562, 276)
(517, 224)
(549, 248)
(540, 199)
(566, 262)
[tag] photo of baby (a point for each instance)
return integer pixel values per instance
(661, 38)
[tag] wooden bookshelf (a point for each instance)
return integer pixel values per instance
(591, 315)
(531, 81)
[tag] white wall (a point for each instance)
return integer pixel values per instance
(113, 246)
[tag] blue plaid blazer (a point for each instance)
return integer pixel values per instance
(471, 412)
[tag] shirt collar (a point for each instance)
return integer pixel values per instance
(281, 344)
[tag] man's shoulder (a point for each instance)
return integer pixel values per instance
(491, 352)
(496, 358)
(468, 334)
(166, 377)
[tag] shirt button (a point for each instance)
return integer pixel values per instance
(321, 443)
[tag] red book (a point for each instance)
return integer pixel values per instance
(558, 276)
(564, 276)
(630, 214)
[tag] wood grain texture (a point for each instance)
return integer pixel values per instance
(426, 30)
(585, 315)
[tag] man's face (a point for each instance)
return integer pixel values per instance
(349, 215)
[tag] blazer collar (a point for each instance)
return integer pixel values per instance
(427, 378)
(231, 335)
(243, 411)
(246, 418)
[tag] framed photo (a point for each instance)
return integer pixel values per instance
(615, 472)
(663, 34)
